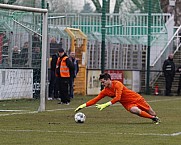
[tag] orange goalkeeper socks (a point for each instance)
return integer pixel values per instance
(145, 115)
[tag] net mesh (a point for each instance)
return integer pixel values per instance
(20, 54)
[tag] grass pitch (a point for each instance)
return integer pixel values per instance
(21, 124)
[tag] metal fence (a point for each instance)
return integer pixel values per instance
(126, 34)
(124, 24)
(118, 55)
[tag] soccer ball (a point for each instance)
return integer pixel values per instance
(79, 117)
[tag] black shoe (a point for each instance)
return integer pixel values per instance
(67, 103)
(156, 120)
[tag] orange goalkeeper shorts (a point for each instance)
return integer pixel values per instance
(141, 104)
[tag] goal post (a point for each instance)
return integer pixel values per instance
(44, 13)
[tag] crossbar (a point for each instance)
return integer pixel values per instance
(22, 8)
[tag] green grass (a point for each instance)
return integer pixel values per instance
(113, 125)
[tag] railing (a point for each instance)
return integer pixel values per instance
(133, 25)
(127, 56)
(177, 40)
(128, 24)
(156, 68)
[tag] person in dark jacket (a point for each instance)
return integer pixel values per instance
(169, 73)
(24, 54)
(63, 68)
(36, 65)
(179, 83)
(53, 92)
(16, 58)
(73, 73)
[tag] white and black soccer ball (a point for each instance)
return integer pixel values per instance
(80, 117)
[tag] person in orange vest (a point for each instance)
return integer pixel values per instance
(63, 68)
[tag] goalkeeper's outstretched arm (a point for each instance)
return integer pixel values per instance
(91, 102)
(80, 107)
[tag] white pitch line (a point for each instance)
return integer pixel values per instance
(9, 114)
(165, 100)
(12, 110)
(60, 109)
(150, 134)
(64, 109)
(115, 104)
(85, 132)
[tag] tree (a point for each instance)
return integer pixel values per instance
(2, 1)
(60, 6)
(11, 1)
(141, 5)
(117, 6)
(87, 8)
(97, 5)
(176, 10)
(7, 1)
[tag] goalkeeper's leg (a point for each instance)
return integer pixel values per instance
(141, 113)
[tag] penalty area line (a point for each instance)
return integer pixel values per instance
(162, 100)
(64, 109)
(20, 113)
(12, 110)
(84, 132)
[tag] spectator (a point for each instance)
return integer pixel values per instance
(53, 40)
(169, 73)
(179, 83)
(61, 43)
(36, 57)
(53, 93)
(16, 56)
(36, 64)
(36, 40)
(73, 73)
(63, 68)
(5, 39)
(24, 54)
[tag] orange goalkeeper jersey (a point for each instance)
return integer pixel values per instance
(118, 92)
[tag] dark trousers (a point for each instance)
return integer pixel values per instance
(36, 82)
(179, 86)
(168, 85)
(71, 89)
(53, 92)
(63, 88)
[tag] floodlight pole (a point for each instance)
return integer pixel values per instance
(148, 49)
(103, 31)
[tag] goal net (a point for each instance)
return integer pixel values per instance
(23, 41)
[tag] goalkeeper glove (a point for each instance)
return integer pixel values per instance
(80, 107)
(102, 106)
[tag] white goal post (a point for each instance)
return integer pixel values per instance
(44, 47)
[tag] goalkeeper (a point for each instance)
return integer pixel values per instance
(132, 101)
